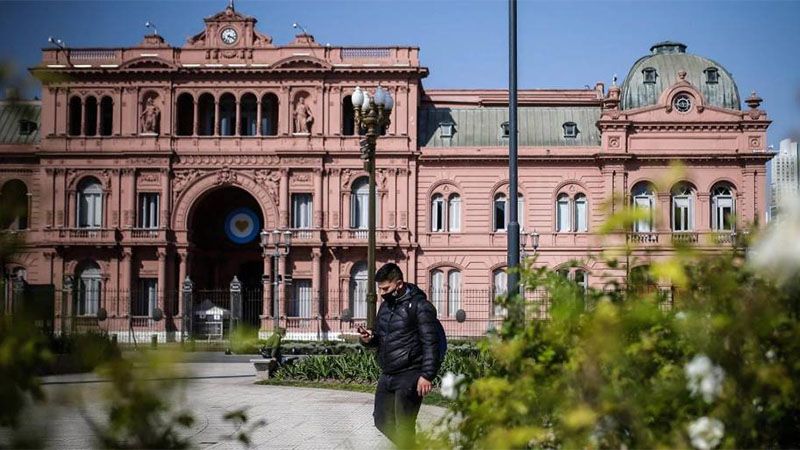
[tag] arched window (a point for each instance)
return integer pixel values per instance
(348, 119)
(453, 292)
(358, 290)
(185, 116)
(206, 106)
(723, 206)
(90, 204)
(248, 107)
(106, 116)
(581, 278)
(89, 290)
(581, 214)
(454, 207)
(643, 198)
(359, 204)
(90, 116)
(563, 224)
(227, 114)
(269, 115)
(682, 207)
(500, 213)
(14, 201)
(75, 116)
(437, 213)
(437, 291)
(499, 289)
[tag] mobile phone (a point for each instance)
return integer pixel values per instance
(362, 330)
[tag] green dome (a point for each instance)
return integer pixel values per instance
(654, 73)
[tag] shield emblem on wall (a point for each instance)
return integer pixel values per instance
(242, 225)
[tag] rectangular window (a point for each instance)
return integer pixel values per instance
(455, 213)
(437, 214)
(500, 215)
(563, 215)
(144, 301)
(300, 306)
(453, 292)
(723, 214)
(301, 211)
(644, 204)
(148, 210)
(581, 224)
(90, 210)
(437, 291)
(681, 213)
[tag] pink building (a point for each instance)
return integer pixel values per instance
(147, 165)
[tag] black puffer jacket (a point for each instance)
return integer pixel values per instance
(406, 342)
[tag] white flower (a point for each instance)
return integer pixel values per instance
(680, 315)
(450, 385)
(777, 253)
(704, 377)
(706, 433)
(770, 355)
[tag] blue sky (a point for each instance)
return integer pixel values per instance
(562, 44)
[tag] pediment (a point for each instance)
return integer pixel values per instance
(148, 62)
(302, 63)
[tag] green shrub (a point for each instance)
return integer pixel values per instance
(618, 370)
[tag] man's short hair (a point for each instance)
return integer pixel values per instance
(388, 272)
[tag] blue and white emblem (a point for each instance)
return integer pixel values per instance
(242, 225)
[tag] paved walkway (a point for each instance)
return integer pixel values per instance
(297, 418)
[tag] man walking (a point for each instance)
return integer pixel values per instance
(406, 337)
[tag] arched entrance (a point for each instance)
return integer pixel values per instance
(224, 226)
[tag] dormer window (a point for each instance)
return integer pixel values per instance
(505, 129)
(650, 74)
(27, 127)
(712, 75)
(446, 129)
(570, 130)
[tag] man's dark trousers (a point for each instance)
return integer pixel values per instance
(396, 406)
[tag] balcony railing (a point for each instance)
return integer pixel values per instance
(75, 236)
(360, 237)
(685, 237)
(306, 236)
(643, 238)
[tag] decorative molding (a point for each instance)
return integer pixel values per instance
(226, 177)
(227, 160)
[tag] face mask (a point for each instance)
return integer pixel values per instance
(389, 296)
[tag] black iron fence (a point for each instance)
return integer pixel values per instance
(144, 315)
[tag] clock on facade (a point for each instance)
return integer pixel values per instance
(229, 36)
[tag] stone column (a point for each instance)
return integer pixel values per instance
(162, 276)
(317, 198)
(316, 283)
(284, 199)
(182, 256)
(216, 117)
(163, 202)
(663, 217)
(237, 124)
(702, 212)
(125, 282)
(258, 117)
(196, 121)
(72, 210)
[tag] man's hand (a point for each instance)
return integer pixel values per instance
(366, 335)
(423, 387)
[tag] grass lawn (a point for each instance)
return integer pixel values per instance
(434, 398)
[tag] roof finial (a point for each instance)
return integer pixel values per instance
(230, 4)
(614, 80)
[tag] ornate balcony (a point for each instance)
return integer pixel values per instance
(82, 236)
(304, 237)
(359, 237)
(144, 236)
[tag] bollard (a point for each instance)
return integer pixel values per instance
(153, 341)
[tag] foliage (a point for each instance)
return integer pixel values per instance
(141, 399)
(362, 367)
(23, 349)
(721, 366)
(81, 352)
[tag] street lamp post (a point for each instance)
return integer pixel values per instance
(372, 116)
(280, 245)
